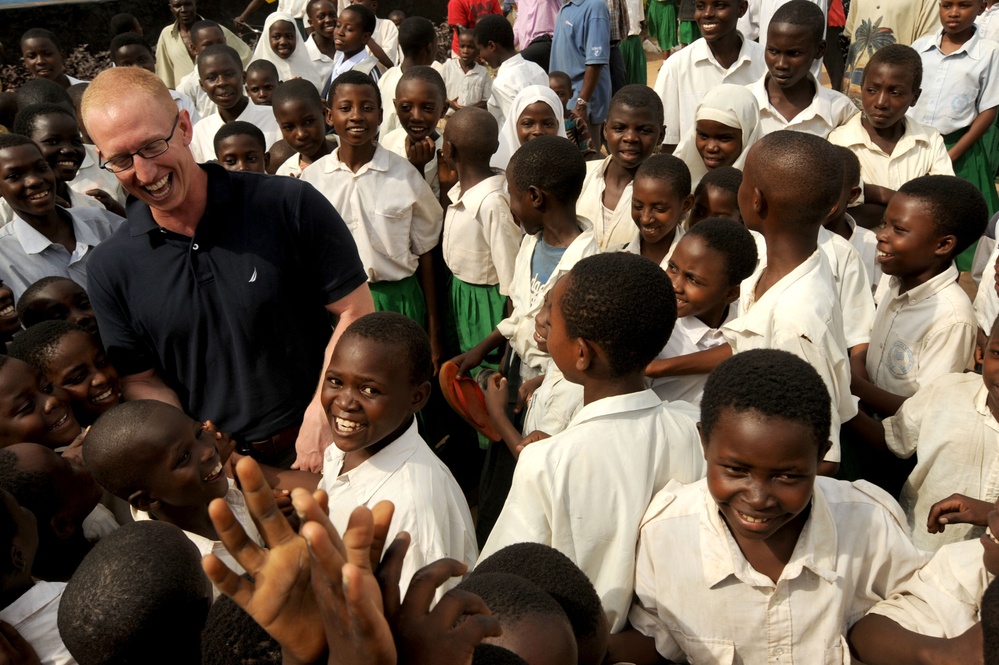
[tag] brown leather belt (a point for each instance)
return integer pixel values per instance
(278, 444)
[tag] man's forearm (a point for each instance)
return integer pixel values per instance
(148, 385)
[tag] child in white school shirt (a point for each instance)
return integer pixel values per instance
(468, 83)
(845, 226)
(609, 317)
(494, 37)
(776, 563)
(722, 55)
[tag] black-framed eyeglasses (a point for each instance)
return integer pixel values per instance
(148, 151)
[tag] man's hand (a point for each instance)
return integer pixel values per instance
(958, 509)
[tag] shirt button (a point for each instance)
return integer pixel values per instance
(194, 246)
(779, 651)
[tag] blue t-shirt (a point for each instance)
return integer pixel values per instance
(543, 264)
(582, 37)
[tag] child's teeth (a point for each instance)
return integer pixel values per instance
(346, 424)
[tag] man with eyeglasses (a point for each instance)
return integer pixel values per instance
(215, 294)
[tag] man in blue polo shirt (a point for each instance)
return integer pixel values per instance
(216, 292)
(581, 49)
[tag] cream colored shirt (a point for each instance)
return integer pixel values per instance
(631, 445)
(921, 334)
(635, 246)
(949, 426)
(511, 77)
(481, 240)
(386, 35)
(611, 229)
(203, 143)
(986, 303)
(920, 151)
(690, 335)
(944, 597)
(322, 62)
(174, 61)
(829, 109)
(687, 76)
(469, 88)
(865, 242)
(702, 601)
(429, 505)
(388, 207)
(527, 302)
(387, 85)
(190, 85)
(291, 167)
(395, 141)
(852, 286)
(554, 404)
(800, 314)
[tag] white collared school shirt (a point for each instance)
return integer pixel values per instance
(853, 286)
(511, 77)
(203, 142)
(34, 615)
(829, 109)
(611, 228)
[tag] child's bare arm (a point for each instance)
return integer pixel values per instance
(379, 53)
(700, 362)
(870, 431)
(877, 640)
(877, 194)
(958, 509)
(880, 401)
(472, 358)
(497, 397)
(148, 385)
(630, 646)
(979, 126)
(429, 284)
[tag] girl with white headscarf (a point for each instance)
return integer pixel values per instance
(542, 113)
(286, 50)
(726, 125)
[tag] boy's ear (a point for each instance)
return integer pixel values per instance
(945, 245)
(687, 204)
(821, 50)
(267, 160)
(855, 193)
(915, 96)
(743, 7)
(759, 202)
(538, 197)
(420, 396)
(585, 353)
(732, 294)
(17, 559)
(329, 116)
(365, 38)
(823, 449)
(981, 341)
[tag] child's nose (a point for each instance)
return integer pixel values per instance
(49, 403)
(99, 379)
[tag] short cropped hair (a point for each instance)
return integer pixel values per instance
(41, 33)
(31, 293)
(32, 488)
(27, 117)
(368, 18)
(139, 596)
(562, 77)
(204, 24)
(232, 637)
(128, 39)
(733, 241)
(623, 303)
(213, 50)
(13, 141)
(474, 132)
(554, 573)
(428, 75)
(41, 91)
(553, 164)
(851, 166)
(773, 383)
(415, 34)
(957, 207)
(312, 3)
(402, 333)
(669, 170)
(803, 14)
(352, 77)
(268, 67)
(780, 163)
(990, 623)
(123, 23)
(106, 90)
(638, 96)
(494, 28)
(492, 654)
(243, 128)
(295, 90)
(727, 178)
(36, 345)
(512, 598)
(898, 55)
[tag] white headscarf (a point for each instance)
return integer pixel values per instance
(731, 105)
(298, 64)
(509, 141)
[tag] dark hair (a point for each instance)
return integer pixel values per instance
(213, 50)
(41, 33)
(638, 96)
(39, 91)
(123, 23)
(512, 598)
(8, 108)
(75, 93)
(623, 303)
(368, 18)
(15, 140)
(565, 78)
(34, 288)
(990, 623)
(475, 132)
(727, 178)
(36, 345)
(957, 207)
(898, 55)
(774, 384)
(554, 573)
(494, 28)
(8, 530)
(139, 596)
(233, 637)
(780, 162)
(129, 39)
(295, 90)
(553, 164)
(312, 3)
(491, 654)
(32, 488)
(428, 75)
(204, 24)
(352, 77)
(803, 14)
(415, 34)
(27, 117)
(733, 241)
(851, 167)
(402, 333)
(243, 128)
(266, 66)
(668, 170)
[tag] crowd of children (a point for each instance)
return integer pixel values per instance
(718, 392)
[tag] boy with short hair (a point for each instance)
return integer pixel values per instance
(262, 79)
(322, 16)
(892, 148)
(240, 146)
(790, 302)
(204, 33)
(494, 37)
(925, 325)
(301, 116)
(468, 83)
(43, 412)
(845, 226)
(222, 78)
(717, 195)
(420, 102)
(418, 43)
(384, 42)
(763, 528)
(789, 95)
(56, 298)
(44, 58)
(610, 315)
(575, 125)
(722, 55)
(354, 28)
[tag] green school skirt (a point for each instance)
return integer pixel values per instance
(977, 166)
(476, 310)
(635, 63)
(404, 297)
(661, 19)
(689, 32)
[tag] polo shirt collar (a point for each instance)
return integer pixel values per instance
(758, 318)
(618, 404)
(928, 288)
(969, 47)
(140, 215)
(34, 242)
(380, 161)
(474, 197)
(371, 474)
(815, 550)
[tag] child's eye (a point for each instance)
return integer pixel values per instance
(183, 458)
(75, 379)
(334, 382)
(25, 408)
(46, 387)
(369, 391)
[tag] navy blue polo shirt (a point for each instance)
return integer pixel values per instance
(233, 319)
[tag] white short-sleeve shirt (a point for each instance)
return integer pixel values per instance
(34, 614)
(829, 109)
(395, 141)
(554, 403)
(469, 88)
(852, 285)
(865, 242)
(511, 77)
(690, 335)
(322, 62)
(611, 228)
(203, 142)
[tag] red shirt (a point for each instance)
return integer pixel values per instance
(466, 12)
